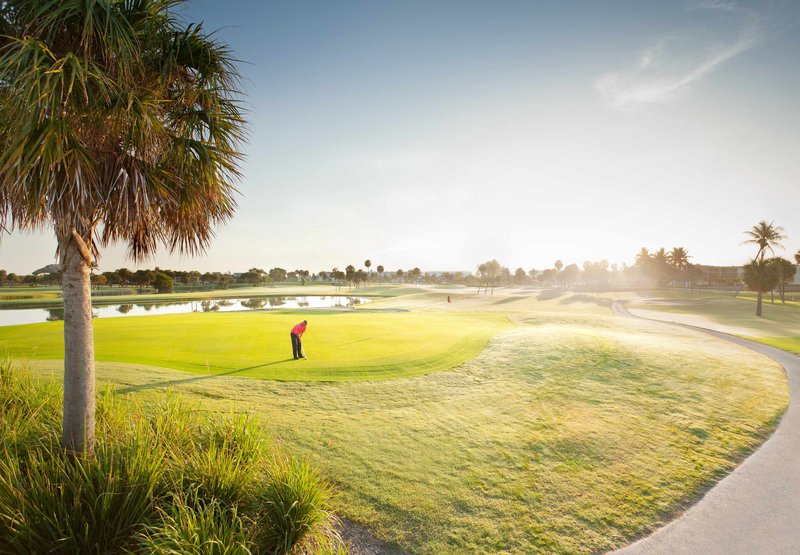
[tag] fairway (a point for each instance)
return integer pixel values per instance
(779, 326)
(341, 346)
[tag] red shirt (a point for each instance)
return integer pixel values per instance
(299, 329)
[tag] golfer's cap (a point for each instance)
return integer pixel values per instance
(305, 321)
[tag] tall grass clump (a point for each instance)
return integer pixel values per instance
(192, 526)
(165, 477)
(296, 513)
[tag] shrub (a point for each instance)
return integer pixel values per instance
(164, 478)
(52, 501)
(195, 527)
(296, 511)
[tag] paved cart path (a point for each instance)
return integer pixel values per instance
(756, 508)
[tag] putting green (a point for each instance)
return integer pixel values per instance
(341, 346)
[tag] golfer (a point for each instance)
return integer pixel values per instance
(297, 339)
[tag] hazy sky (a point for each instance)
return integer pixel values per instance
(440, 133)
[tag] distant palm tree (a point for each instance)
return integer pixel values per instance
(766, 235)
(661, 266)
(760, 276)
(400, 276)
(786, 271)
(643, 257)
(380, 270)
(678, 257)
(367, 265)
(118, 122)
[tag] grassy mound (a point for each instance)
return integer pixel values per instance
(165, 478)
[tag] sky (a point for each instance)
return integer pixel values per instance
(441, 134)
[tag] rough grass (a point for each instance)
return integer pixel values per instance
(573, 432)
(341, 346)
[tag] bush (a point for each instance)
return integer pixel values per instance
(194, 527)
(165, 478)
(51, 500)
(296, 513)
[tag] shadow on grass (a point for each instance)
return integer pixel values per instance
(599, 301)
(356, 341)
(550, 294)
(168, 383)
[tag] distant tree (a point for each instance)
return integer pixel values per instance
(226, 280)
(532, 273)
(547, 277)
(678, 258)
(142, 278)
(595, 273)
(785, 271)
(558, 265)
(350, 274)
(661, 267)
(162, 282)
(99, 280)
(125, 276)
(275, 274)
(380, 269)
(360, 277)
(368, 265)
(520, 277)
(252, 278)
(415, 273)
(3, 278)
(31, 280)
(760, 275)
(490, 271)
(569, 276)
(399, 274)
(643, 257)
(766, 236)
(797, 257)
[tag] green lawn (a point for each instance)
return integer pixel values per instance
(358, 345)
(779, 326)
(572, 431)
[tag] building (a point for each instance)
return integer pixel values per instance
(721, 275)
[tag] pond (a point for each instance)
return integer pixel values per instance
(13, 317)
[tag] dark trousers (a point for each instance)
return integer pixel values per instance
(297, 345)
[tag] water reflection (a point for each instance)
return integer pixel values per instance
(33, 315)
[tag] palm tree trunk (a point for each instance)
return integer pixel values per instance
(79, 394)
(758, 303)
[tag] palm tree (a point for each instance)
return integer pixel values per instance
(786, 271)
(118, 123)
(643, 257)
(399, 276)
(380, 270)
(760, 276)
(368, 264)
(679, 258)
(766, 235)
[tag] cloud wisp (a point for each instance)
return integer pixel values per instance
(663, 72)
